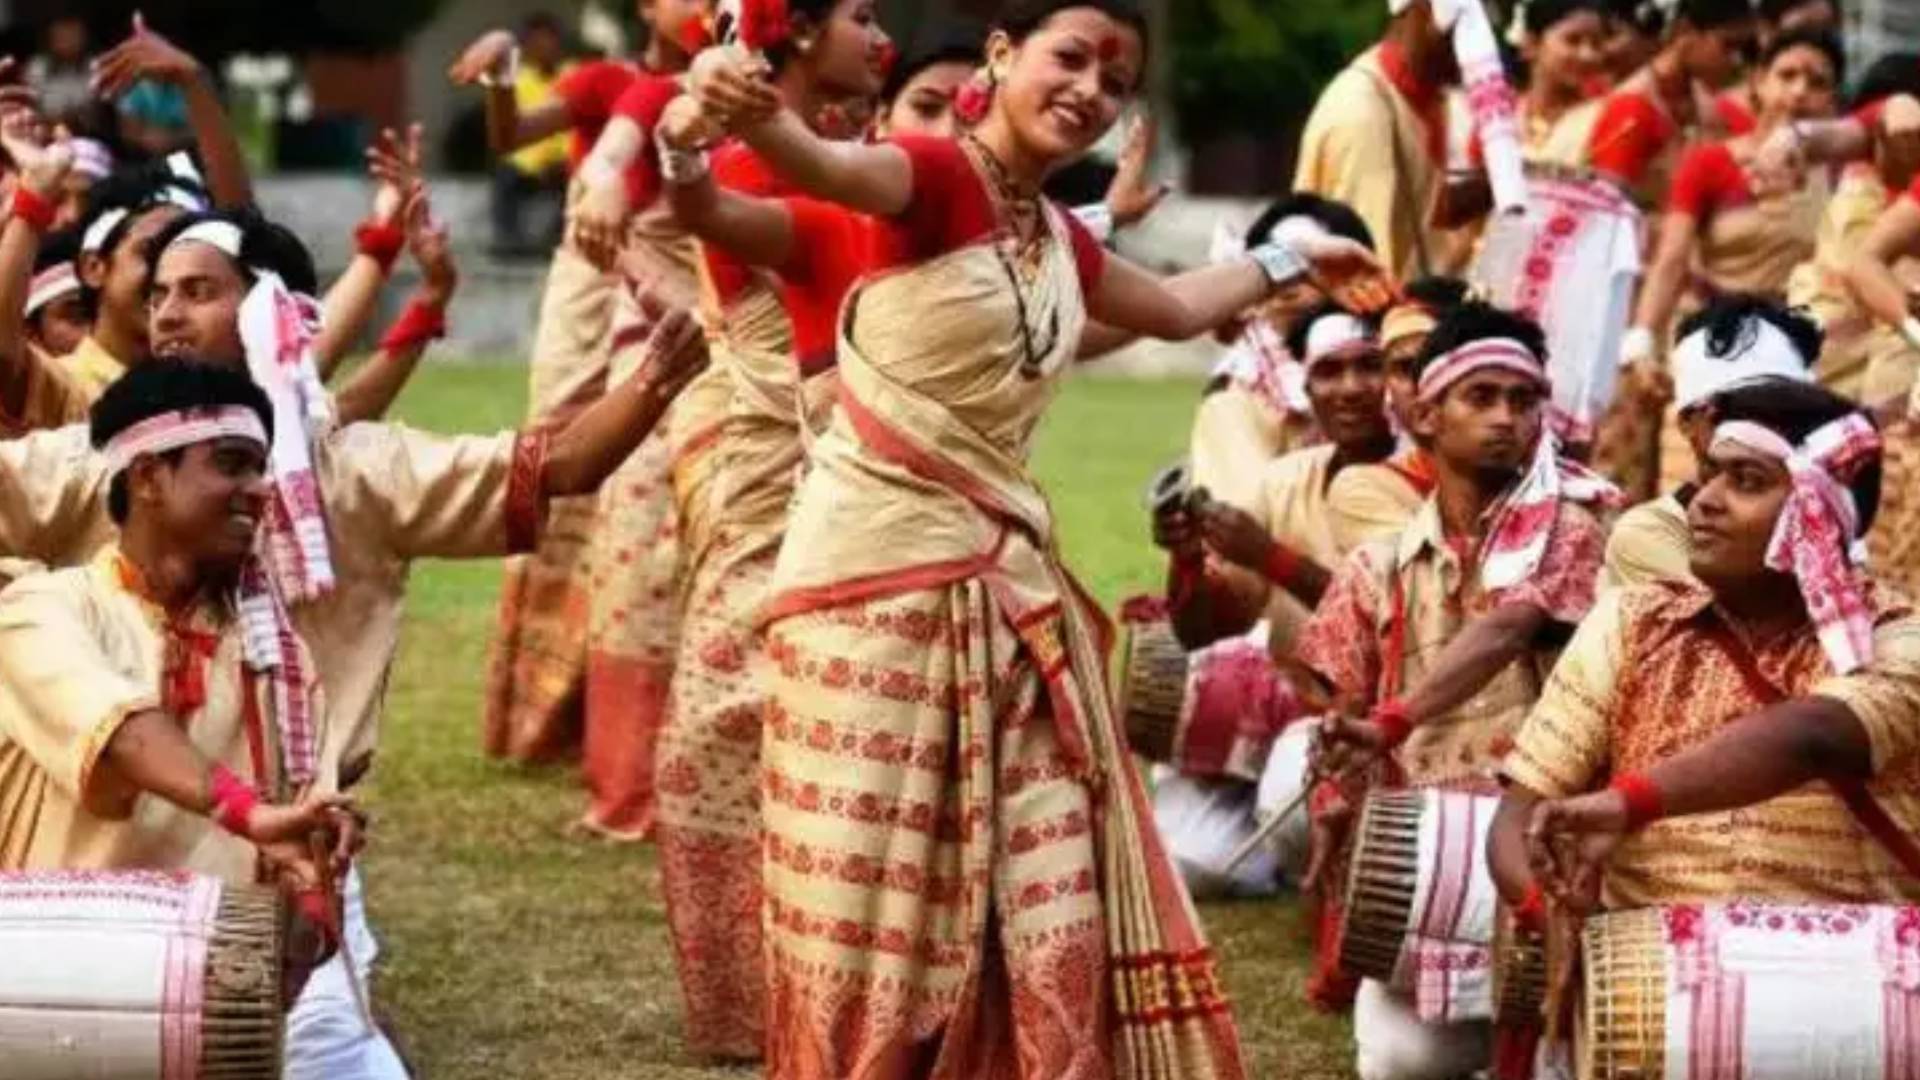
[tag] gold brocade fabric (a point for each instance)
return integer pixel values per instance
(963, 877)
(1653, 673)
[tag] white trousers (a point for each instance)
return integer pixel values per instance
(1202, 822)
(327, 1038)
(1394, 1045)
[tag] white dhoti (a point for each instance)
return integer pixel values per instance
(1203, 821)
(1393, 1043)
(327, 1037)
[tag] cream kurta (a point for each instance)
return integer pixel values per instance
(392, 495)
(1649, 543)
(79, 655)
(1363, 147)
(1861, 360)
(1236, 434)
(1292, 507)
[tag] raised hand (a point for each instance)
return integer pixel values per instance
(1779, 164)
(487, 56)
(1346, 271)
(1569, 842)
(42, 166)
(394, 161)
(430, 241)
(1132, 196)
(731, 86)
(144, 55)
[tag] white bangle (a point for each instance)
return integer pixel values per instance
(1098, 218)
(1910, 329)
(680, 167)
(1637, 345)
(1279, 261)
(506, 75)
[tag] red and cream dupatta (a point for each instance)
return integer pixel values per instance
(920, 488)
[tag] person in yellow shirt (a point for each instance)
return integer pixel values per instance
(535, 175)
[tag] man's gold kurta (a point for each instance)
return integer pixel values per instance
(1652, 673)
(80, 654)
(1649, 543)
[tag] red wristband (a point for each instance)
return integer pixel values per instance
(233, 801)
(420, 323)
(1394, 722)
(33, 208)
(381, 242)
(316, 906)
(1642, 796)
(1281, 565)
(1531, 914)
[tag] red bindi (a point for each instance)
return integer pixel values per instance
(1109, 48)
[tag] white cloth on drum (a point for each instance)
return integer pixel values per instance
(1391, 1043)
(1448, 958)
(1203, 821)
(327, 1038)
(1281, 784)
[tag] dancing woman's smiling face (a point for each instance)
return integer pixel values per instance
(1062, 88)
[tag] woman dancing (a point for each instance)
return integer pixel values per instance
(962, 874)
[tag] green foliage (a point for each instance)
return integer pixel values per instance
(1256, 66)
(214, 29)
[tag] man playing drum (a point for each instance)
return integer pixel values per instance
(1437, 636)
(1719, 697)
(1233, 569)
(156, 709)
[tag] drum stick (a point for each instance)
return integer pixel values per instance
(329, 887)
(1267, 831)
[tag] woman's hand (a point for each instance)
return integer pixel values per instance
(1132, 196)
(42, 166)
(430, 242)
(394, 163)
(731, 86)
(598, 222)
(676, 351)
(683, 126)
(1346, 271)
(144, 55)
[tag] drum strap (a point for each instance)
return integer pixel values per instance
(1860, 802)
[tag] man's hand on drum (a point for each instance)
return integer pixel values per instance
(284, 834)
(1177, 530)
(1569, 842)
(1343, 746)
(1234, 535)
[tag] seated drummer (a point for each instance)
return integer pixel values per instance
(1736, 340)
(1375, 501)
(156, 710)
(1255, 408)
(1233, 569)
(1439, 635)
(1778, 662)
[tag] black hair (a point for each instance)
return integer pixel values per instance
(264, 245)
(953, 41)
(543, 21)
(57, 248)
(137, 189)
(1711, 14)
(1540, 16)
(1477, 320)
(1793, 411)
(1302, 326)
(1336, 217)
(1437, 293)
(1645, 16)
(1728, 323)
(163, 386)
(1020, 18)
(1894, 73)
(816, 11)
(1822, 41)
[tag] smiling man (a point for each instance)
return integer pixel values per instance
(1779, 663)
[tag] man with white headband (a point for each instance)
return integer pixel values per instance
(1374, 502)
(135, 688)
(1377, 139)
(1735, 341)
(1255, 407)
(1439, 635)
(56, 317)
(1243, 584)
(1673, 757)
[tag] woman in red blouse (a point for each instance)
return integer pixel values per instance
(962, 874)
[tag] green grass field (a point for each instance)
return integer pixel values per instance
(514, 948)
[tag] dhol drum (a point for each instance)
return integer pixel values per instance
(1754, 991)
(139, 976)
(1519, 974)
(1211, 713)
(1420, 904)
(1570, 262)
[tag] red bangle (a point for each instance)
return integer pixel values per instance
(233, 801)
(33, 208)
(1531, 915)
(1644, 803)
(421, 322)
(1394, 722)
(1281, 565)
(380, 241)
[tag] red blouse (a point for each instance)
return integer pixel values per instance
(589, 93)
(1632, 131)
(736, 167)
(642, 102)
(1708, 179)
